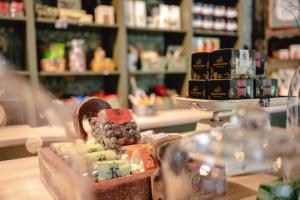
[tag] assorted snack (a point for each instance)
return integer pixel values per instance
(230, 74)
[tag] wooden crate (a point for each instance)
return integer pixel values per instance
(63, 183)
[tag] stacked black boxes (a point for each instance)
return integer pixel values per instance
(230, 74)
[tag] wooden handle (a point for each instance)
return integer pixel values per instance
(87, 109)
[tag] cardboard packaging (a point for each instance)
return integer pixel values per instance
(232, 63)
(261, 64)
(197, 89)
(230, 89)
(105, 15)
(265, 88)
(200, 66)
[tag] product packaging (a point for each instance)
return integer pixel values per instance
(266, 88)
(200, 66)
(197, 89)
(232, 63)
(230, 89)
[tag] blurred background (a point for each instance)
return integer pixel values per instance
(111, 48)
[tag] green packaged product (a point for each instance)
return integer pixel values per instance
(112, 169)
(279, 190)
(88, 148)
(61, 147)
(100, 156)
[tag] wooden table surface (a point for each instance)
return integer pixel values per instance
(19, 179)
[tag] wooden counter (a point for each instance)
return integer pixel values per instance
(19, 179)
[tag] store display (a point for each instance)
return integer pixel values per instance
(205, 44)
(16, 9)
(77, 55)
(105, 15)
(12, 8)
(151, 61)
(261, 64)
(53, 57)
(69, 4)
(266, 88)
(214, 17)
(230, 89)
(116, 128)
(70, 15)
(140, 14)
(200, 66)
(197, 89)
(44, 11)
(232, 63)
(162, 16)
(100, 63)
(175, 59)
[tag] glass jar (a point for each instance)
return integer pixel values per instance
(77, 55)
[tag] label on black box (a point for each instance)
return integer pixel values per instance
(197, 89)
(199, 66)
(218, 89)
(220, 64)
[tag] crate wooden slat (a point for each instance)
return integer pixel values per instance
(63, 183)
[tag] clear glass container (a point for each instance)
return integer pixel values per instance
(77, 55)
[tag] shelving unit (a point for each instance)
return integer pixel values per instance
(85, 73)
(117, 37)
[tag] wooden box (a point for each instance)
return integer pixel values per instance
(63, 183)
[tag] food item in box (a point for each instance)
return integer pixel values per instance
(112, 169)
(197, 89)
(65, 149)
(88, 148)
(266, 88)
(100, 156)
(116, 128)
(200, 67)
(60, 147)
(232, 63)
(261, 64)
(230, 89)
(145, 152)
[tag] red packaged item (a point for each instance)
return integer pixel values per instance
(4, 8)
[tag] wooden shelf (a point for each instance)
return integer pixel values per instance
(159, 30)
(12, 19)
(156, 72)
(86, 73)
(281, 33)
(277, 64)
(19, 72)
(74, 24)
(215, 33)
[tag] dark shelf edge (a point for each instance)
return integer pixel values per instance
(13, 19)
(156, 72)
(86, 73)
(91, 25)
(159, 30)
(215, 33)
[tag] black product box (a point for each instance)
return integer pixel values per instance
(197, 89)
(230, 89)
(232, 64)
(200, 66)
(261, 64)
(266, 88)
